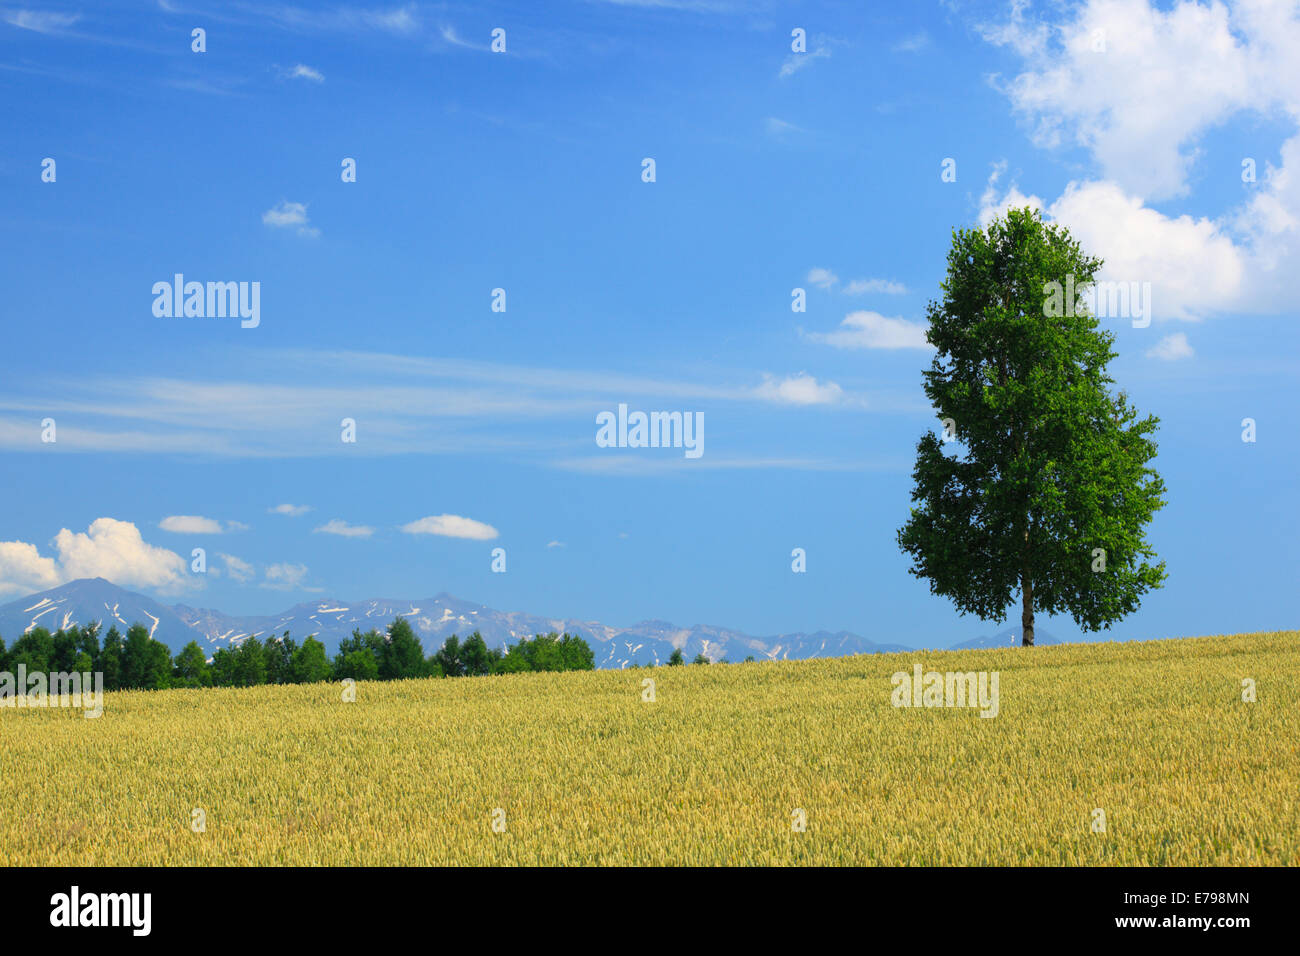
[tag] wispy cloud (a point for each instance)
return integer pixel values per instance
(400, 20)
(238, 569)
(914, 43)
(422, 405)
(822, 278)
(798, 61)
(286, 577)
(302, 71)
(341, 528)
(697, 6)
(451, 37)
(396, 20)
(886, 286)
(39, 21)
(779, 127)
(636, 465)
(291, 510)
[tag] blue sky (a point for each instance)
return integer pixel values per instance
(522, 170)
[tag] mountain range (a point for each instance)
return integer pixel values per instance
(434, 620)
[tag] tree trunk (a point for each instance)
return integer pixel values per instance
(1027, 613)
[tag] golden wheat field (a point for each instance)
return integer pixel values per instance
(583, 771)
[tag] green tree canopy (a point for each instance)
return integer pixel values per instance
(279, 653)
(65, 650)
(88, 640)
(359, 665)
(513, 662)
(35, 650)
(1051, 494)
(190, 669)
(448, 657)
(223, 667)
(310, 663)
(136, 659)
(576, 654)
(146, 663)
(474, 655)
(249, 663)
(403, 657)
(110, 659)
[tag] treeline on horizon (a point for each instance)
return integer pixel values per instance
(138, 662)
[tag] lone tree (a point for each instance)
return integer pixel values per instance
(1052, 494)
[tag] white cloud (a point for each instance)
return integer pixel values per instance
(1171, 348)
(871, 330)
(801, 389)
(237, 568)
(343, 529)
(887, 286)
(291, 510)
(1193, 266)
(190, 524)
(114, 550)
(1138, 87)
(797, 61)
(822, 278)
(555, 544)
(994, 204)
(40, 21)
(286, 215)
(109, 549)
(285, 577)
(23, 570)
(1270, 221)
(1028, 39)
(826, 279)
(452, 526)
(302, 71)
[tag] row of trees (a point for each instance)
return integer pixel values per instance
(138, 662)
